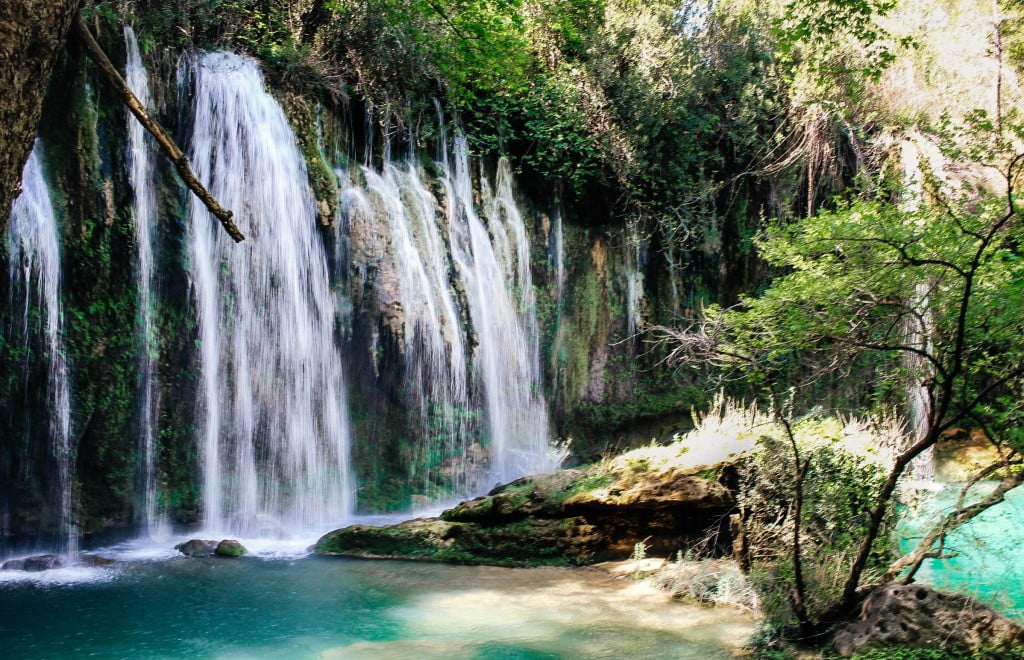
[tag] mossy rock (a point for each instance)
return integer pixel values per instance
(229, 548)
(529, 497)
(568, 517)
(523, 543)
(196, 548)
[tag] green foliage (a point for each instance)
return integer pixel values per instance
(882, 296)
(839, 490)
(821, 31)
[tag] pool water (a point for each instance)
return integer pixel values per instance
(308, 607)
(986, 555)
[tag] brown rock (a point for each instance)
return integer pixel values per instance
(917, 616)
(32, 35)
(654, 491)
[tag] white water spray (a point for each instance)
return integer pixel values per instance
(276, 439)
(33, 246)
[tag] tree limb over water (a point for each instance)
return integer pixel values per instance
(167, 145)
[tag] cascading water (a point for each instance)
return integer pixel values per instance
(141, 151)
(33, 245)
(634, 283)
(432, 333)
(276, 439)
(500, 299)
(918, 329)
(558, 257)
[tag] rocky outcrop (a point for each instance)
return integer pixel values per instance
(916, 616)
(570, 517)
(32, 34)
(204, 548)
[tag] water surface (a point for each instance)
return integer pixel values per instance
(311, 607)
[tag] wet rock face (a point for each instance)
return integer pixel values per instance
(196, 548)
(917, 616)
(32, 34)
(35, 563)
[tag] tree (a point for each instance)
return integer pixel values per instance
(886, 295)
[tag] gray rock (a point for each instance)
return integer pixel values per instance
(35, 563)
(917, 616)
(196, 548)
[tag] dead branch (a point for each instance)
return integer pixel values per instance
(167, 145)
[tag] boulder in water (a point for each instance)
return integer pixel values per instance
(196, 548)
(94, 561)
(917, 616)
(229, 548)
(35, 563)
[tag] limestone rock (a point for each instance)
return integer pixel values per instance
(196, 548)
(32, 35)
(917, 616)
(568, 517)
(525, 543)
(656, 491)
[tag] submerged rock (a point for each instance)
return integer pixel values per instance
(917, 616)
(569, 517)
(196, 548)
(94, 561)
(229, 548)
(35, 563)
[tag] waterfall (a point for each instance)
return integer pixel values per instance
(634, 283)
(33, 246)
(275, 444)
(496, 279)
(140, 153)
(431, 330)
(558, 257)
(917, 328)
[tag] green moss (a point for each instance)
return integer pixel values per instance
(593, 479)
(302, 115)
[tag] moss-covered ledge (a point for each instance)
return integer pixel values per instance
(565, 518)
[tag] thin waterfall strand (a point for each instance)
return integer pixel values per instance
(141, 153)
(431, 331)
(33, 246)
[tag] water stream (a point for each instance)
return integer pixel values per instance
(500, 295)
(33, 247)
(982, 557)
(141, 154)
(276, 438)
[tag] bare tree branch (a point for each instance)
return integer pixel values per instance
(167, 145)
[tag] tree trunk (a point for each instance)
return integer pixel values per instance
(32, 35)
